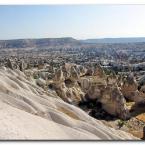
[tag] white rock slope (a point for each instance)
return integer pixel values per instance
(27, 112)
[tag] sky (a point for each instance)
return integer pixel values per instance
(77, 21)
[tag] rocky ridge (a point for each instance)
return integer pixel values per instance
(29, 112)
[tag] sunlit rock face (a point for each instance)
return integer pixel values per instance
(92, 77)
(74, 75)
(130, 89)
(43, 75)
(106, 91)
(85, 84)
(114, 103)
(111, 99)
(27, 112)
(59, 77)
(73, 88)
(113, 80)
(95, 88)
(98, 71)
(66, 70)
(82, 70)
(72, 70)
(41, 82)
(68, 89)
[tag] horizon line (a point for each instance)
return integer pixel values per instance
(72, 38)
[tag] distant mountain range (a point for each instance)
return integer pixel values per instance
(39, 43)
(115, 40)
(66, 42)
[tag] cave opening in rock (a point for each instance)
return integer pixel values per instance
(68, 82)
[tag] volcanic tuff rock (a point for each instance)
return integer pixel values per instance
(68, 89)
(72, 70)
(109, 96)
(90, 71)
(85, 84)
(73, 85)
(74, 75)
(130, 89)
(9, 64)
(75, 89)
(59, 77)
(41, 82)
(82, 70)
(98, 71)
(114, 103)
(28, 112)
(22, 66)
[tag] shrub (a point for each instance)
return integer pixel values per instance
(121, 123)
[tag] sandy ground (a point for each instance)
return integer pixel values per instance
(27, 112)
